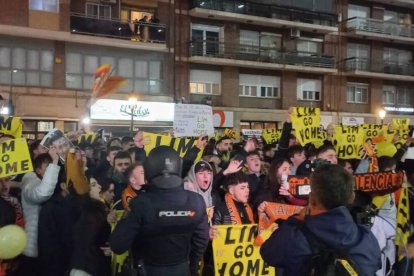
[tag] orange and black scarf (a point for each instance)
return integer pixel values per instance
(234, 213)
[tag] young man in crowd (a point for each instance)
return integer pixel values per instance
(254, 176)
(296, 155)
(327, 219)
(136, 179)
(235, 209)
(37, 188)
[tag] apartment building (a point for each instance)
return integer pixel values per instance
(257, 58)
(250, 60)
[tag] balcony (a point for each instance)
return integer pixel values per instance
(364, 67)
(379, 30)
(218, 53)
(264, 15)
(136, 33)
(400, 3)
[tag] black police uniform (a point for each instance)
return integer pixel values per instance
(167, 226)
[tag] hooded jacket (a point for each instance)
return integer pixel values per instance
(289, 249)
(207, 196)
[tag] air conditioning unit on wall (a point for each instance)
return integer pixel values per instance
(294, 33)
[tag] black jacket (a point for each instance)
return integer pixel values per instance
(222, 215)
(255, 185)
(169, 227)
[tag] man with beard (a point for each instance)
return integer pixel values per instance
(122, 161)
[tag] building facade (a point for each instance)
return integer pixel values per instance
(250, 60)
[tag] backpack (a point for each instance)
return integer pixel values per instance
(326, 261)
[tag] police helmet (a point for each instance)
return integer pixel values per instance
(163, 168)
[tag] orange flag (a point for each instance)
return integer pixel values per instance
(105, 84)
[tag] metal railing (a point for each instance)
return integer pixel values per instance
(379, 26)
(269, 11)
(208, 48)
(386, 67)
(142, 31)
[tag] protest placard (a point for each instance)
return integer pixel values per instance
(347, 141)
(271, 135)
(15, 157)
(11, 126)
(57, 139)
(193, 120)
(306, 122)
(235, 253)
(181, 145)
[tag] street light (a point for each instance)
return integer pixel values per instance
(382, 114)
(133, 99)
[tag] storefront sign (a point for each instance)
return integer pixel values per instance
(223, 118)
(107, 109)
(399, 109)
(352, 121)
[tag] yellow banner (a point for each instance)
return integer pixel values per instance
(15, 157)
(181, 145)
(306, 122)
(11, 126)
(399, 123)
(88, 138)
(373, 133)
(347, 140)
(403, 219)
(234, 252)
(271, 135)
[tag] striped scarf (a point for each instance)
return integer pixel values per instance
(234, 213)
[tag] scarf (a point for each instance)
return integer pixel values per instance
(234, 213)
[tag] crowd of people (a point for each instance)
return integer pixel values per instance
(82, 209)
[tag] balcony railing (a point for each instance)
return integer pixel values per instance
(386, 67)
(267, 10)
(142, 31)
(207, 48)
(379, 27)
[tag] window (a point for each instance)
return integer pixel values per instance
(357, 50)
(26, 66)
(44, 5)
(143, 76)
(357, 92)
(393, 55)
(358, 56)
(397, 95)
(259, 86)
(205, 82)
(205, 39)
(98, 10)
(252, 42)
(388, 94)
(309, 90)
(358, 11)
(308, 46)
(404, 96)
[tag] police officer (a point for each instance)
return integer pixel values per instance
(167, 226)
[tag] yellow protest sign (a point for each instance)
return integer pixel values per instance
(373, 132)
(271, 135)
(88, 138)
(306, 122)
(15, 157)
(181, 145)
(399, 123)
(234, 252)
(11, 126)
(347, 140)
